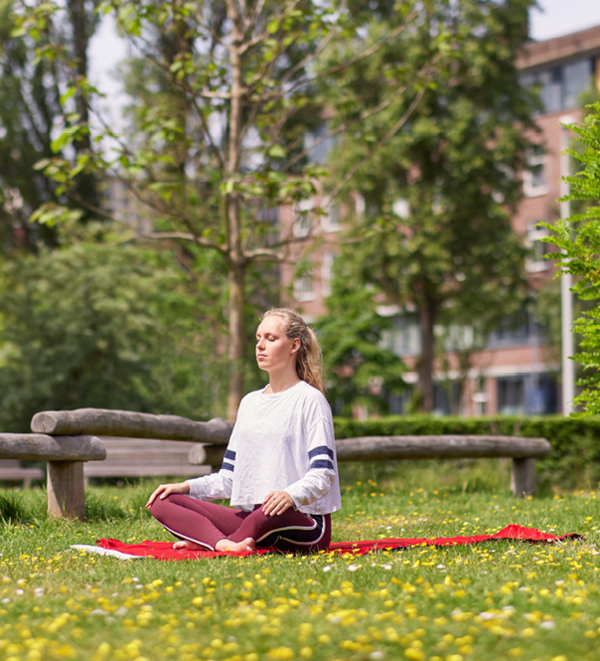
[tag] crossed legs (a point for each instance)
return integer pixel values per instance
(205, 525)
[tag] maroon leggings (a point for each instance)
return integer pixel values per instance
(207, 523)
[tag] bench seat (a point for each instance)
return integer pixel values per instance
(12, 471)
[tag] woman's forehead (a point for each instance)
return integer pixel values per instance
(273, 324)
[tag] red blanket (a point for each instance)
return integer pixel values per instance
(165, 551)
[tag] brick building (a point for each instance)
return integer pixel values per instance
(516, 372)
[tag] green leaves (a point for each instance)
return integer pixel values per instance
(578, 237)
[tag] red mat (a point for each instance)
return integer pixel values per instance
(165, 551)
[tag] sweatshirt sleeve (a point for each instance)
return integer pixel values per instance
(215, 485)
(322, 465)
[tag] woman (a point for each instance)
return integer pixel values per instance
(280, 468)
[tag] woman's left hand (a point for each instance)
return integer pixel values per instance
(277, 502)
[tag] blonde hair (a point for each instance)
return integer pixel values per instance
(308, 362)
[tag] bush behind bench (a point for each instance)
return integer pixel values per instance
(573, 464)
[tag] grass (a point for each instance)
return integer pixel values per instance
(501, 600)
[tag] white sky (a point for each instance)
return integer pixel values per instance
(554, 18)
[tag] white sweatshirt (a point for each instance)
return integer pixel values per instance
(281, 441)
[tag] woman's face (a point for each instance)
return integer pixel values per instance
(275, 351)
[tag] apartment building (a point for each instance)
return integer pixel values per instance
(517, 372)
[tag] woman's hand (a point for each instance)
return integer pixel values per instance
(165, 490)
(277, 502)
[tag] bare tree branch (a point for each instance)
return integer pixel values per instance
(186, 237)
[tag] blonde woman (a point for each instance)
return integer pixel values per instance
(280, 468)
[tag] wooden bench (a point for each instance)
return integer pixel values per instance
(12, 471)
(135, 457)
(523, 452)
(65, 456)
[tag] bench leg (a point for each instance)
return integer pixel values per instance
(66, 496)
(522, 479)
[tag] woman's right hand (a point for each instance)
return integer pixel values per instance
(165, 490)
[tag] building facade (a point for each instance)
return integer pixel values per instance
(518, 370)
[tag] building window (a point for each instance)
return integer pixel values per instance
(330, 222)
(561, 86)
(303, 218)
(303, 288)
(527, 394)
(403, 339)
(534, 177)
(519, 329)
(538, 249)
(326, 273)
(318, 145)
(511, 396)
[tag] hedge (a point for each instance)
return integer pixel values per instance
(574, 462)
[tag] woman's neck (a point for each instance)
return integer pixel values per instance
(281, 382)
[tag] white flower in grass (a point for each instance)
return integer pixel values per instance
(387, 567)
(548, 624)
(19, 592)
(6, 600)
(327, 568)
(121, 610)
(376, 655)
(352, 567)
(38, 592)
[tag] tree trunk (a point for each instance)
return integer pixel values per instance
(237, 331)
(80, 44)
(427, 315)
(237, 268)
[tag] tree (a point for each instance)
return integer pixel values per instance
(578, 237)
(88, 325)
(211, 164)
(30, 87)
(436, 235)
(360, 371)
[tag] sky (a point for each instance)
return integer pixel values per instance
(553, 18)
(556, 18)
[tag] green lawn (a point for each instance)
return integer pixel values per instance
(500, 600)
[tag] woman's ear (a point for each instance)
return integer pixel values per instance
(296, 344)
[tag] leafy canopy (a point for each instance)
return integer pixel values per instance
(578, 237)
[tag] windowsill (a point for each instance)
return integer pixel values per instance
(537, 267)
(535, 192)
(305, 297)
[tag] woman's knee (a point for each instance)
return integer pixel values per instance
(160, 504)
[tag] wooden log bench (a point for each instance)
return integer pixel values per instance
(12, 471)
(129, 424)
(65, 456)
(134, 457)
(522, 451)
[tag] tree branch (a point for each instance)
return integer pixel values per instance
(389, 135)
(186, 237)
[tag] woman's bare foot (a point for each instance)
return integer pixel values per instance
(184, 545)
(247, 544)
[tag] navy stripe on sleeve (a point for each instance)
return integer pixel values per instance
(322, 463)
(322, 449)
(227, 467)
(230, 454)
